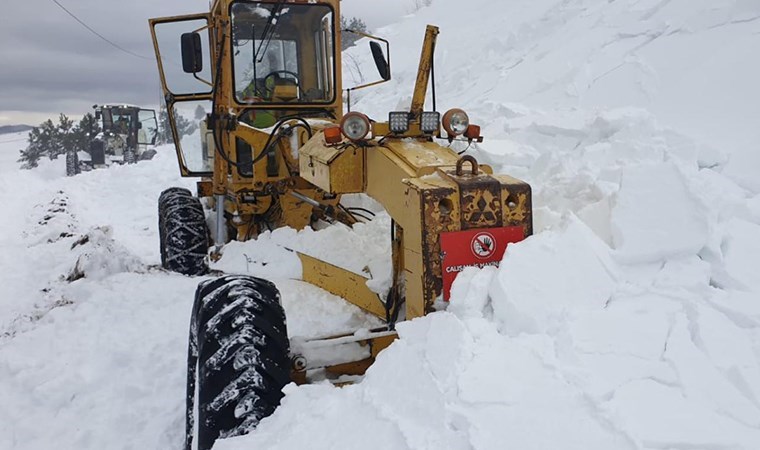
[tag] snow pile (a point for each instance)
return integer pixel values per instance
(100, 256)
(362, 248)
(562, 346)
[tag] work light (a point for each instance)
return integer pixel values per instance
(355, 126)
(429, 121)
(455, 122)
(398, 122)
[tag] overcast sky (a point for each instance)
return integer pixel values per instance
(49, 63)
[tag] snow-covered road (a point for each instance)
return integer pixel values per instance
(98, 361)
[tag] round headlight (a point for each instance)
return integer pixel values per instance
(455, 122)
(355, 126)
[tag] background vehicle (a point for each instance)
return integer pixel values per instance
(278, 150)
(127, 131)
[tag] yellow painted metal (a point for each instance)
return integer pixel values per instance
(375, 344)
(423, 72)
(204, 188)
(343, 283)
(332, 168)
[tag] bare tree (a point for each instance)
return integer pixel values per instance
(353, 24)
(419, 4)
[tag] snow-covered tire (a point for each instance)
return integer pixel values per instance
(238, 354)
(163, 203)
(182, 232)
(72, 164)
(130, 155)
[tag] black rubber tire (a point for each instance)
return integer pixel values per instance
(238, 354)
(183, 233)
(163, 202)
(72, 164)
(130, 155)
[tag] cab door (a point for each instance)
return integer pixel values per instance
(188, 96)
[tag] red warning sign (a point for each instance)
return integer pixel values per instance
(478, 248)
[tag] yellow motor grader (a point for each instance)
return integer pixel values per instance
(276, 148)
(127, 132)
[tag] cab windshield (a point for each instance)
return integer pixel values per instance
(122, 120)
(283, 53)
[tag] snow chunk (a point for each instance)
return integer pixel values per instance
(469, 293)
(655, 216)
(429, 356)
(552, 275)
(623, 328)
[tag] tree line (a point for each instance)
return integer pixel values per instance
(51, 139)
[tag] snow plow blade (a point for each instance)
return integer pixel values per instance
(343, 283)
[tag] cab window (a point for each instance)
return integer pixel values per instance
(283, 53)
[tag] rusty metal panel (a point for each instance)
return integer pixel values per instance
(517, 202)
(438, 201)
(480, 201)
(439, 214)
(205, 188)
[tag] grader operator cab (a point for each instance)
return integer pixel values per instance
(276, 149)
(126, 133)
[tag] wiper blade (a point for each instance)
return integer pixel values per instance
(269, 30)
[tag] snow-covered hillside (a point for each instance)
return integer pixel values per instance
(630, 321)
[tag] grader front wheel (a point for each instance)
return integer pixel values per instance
(130, 155)
(182, 232)
(238, 355)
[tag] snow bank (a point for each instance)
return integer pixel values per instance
(552, 349)
(690, 63)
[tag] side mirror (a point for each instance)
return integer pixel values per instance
(192, 53)
(380, 62)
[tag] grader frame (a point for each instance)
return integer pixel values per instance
(284, 152)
